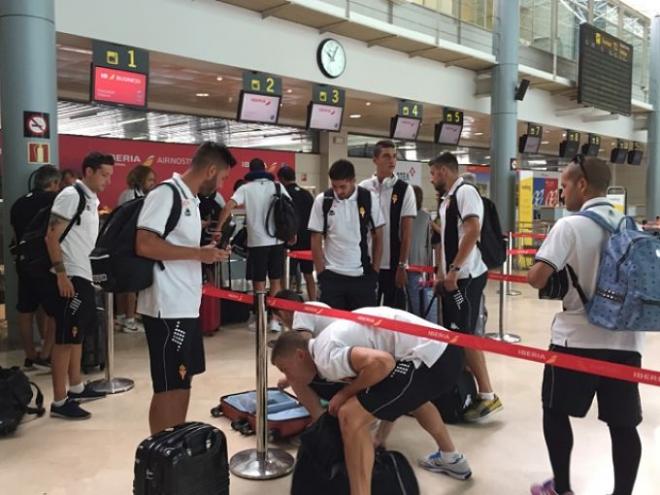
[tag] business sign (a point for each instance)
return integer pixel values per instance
(119, 87)
(411, 172)
(121, 57)
(525, 199)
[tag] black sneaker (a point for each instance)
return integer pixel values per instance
(28, 364)
(86, 395)
(69, 410)
(42, 364)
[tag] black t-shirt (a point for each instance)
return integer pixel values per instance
(303, 201)
(26, 208)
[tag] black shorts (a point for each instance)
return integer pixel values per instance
(571, 392)
(30, 293)
(324, 389)
(349, 293)
(407, 388)
(176, 352)
(306, 266)
(460, 309)
(266, 261)
(75, 317)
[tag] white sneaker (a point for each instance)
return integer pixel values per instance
(456, 468)
(275, 326)
(132, 326)
(120, 321)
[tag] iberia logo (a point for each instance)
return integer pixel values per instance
(149, 161)
(395, 198)
(182, 372)
(362, 211)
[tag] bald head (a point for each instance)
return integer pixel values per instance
(594, 171)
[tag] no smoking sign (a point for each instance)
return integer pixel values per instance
(36, 125)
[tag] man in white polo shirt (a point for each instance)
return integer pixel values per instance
(462, 273)
(341, 220)
(71, 300)
(397, 202)
(387, 375)
(170, 307)
(575, 243)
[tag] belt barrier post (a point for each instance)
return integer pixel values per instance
(500, 335)
(509, 270)
(261, 463)
(111, 384)
(287, 270)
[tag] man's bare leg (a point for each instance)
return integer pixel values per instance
(168, 409)
(429, 418)
(354, 421)
(311, 286)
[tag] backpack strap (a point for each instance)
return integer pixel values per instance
(277, 196)
(600, 221)
(175, 212)
(398, 195)
(82, 203)
(366, 221)
(328, 199)
(39, 402)
(576, 284)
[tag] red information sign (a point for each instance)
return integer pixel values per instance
(119, 86)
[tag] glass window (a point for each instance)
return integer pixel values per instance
(570, 14)
(536, 23)
(606, 16)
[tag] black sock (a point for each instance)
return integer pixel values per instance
(626, 454)
(559, 440)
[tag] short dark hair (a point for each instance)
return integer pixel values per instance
(44, 176)
(419, 196)
(342, 170)
(257, 165)
(239, 183)
(95, 160)
(594, 170)
(287, 174)
(212, 153)
(69, 171)
(381, 145)
(447, 159)
(138, 176)
(289, 342)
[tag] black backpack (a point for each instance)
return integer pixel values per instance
(284, 214)
(320, 467)
(366, 222)
(452, 405)
(115, 265)
(15, 398)
(492, 244)
(31, 252)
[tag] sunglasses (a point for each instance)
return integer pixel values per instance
(579, 159)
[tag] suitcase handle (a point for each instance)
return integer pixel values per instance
(197, 448)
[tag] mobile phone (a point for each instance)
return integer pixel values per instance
(226, 234)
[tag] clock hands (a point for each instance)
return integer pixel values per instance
(333, 54)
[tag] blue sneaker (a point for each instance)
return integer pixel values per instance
(457, 468)
(69, 410)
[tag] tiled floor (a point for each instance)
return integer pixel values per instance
(49, 456)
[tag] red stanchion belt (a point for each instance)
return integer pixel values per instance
(528, 235)
(421, 269)
(301, 255)
(585, 365)
(514, 252)
(520, 279)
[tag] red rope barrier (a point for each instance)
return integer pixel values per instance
(528, 235)
(514, 252)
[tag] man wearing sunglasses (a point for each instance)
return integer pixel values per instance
(576, 241)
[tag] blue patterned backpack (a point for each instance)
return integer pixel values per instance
(627, 296)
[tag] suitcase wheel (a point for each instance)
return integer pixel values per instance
(274, 436)
(246, 430)
(216, 412)
(239, 425)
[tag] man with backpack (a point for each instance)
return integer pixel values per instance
(46, 185)
(72, 232)
(303, 201)
(397, 202)
(170, 306)
(574, 245)
(343, 221)
(462, 273)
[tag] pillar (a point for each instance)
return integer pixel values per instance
(653, 146)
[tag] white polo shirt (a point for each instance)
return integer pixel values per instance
(341, 246)
(256, 197)
(177, 290)
(578, 241)
(384, 193)
(311, 322)
(331, 349)
(81, 239)
(469, 204)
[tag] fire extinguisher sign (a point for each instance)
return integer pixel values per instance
(38, 153)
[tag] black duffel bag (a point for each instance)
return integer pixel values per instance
(15, 398)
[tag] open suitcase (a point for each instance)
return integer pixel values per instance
(286, 416)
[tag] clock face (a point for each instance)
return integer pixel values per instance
(331, 58)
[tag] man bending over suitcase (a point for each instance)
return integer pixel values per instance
(387, 375)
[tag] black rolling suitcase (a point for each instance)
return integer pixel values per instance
(94, 342)
(189, 459)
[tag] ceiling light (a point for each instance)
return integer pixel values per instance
(230, 99)
(289, 91)
(354, 116)
(202, 95)
(368, 103)
(487, 157)
(219, 78)
(133, 121)
(72, 49)
(478, 133)
(545, 142)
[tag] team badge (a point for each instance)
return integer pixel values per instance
(395, 198)
(74, 332)
(362, 211)
(182, 372)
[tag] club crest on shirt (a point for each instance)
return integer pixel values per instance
(362, 211)
(182, 371)
(332, 213)
(74, 332)
(395, 198)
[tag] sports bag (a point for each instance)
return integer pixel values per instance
(284, 215)
(15, 398)
(453, 404)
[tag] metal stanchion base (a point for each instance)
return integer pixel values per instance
(509, 338)
(247, 464)
(112, 386)
(511, 292)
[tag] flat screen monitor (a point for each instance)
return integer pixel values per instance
(446, 133)
(529, 144)
(635, 157)
(590, 149)
(256, 107)
(619, 155)
(568, 149)
(119, 87)
(324, 117)
(405, 128)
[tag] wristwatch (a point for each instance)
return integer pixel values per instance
(405, 266)
(454, 268)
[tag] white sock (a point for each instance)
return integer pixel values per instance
(77, 389)
(120, 317)
(450, 456)
(487, 396)
(129, 321)
(59, 403)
